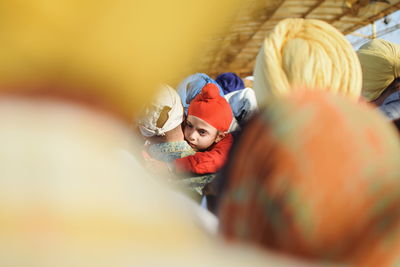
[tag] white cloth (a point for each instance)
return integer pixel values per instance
(243, 103)
(199, 214)
(235, 127)
(250, 78)
(168, 97)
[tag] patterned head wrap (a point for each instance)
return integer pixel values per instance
(317, 176)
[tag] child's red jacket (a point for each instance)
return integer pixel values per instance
(209, 161)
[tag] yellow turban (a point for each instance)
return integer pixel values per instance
(380, 63)
(306, 53)
(116, 51)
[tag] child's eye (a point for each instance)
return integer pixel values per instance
(202, 132)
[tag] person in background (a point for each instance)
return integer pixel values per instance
(380, 63)
(206, 131)
(192, 85)
(308, 53)
(243, 103)
(230, 82)
(316, 176)
(160, 125)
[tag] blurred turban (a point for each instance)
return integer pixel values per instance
(306, 53)
(380, 63)
(230, 82)
(317, 176)
(114, 51)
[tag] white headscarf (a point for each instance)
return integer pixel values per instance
(243, 103)
(167, 98)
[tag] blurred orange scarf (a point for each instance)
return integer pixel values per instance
(317, 176)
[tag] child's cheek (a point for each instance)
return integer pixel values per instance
(185, 133)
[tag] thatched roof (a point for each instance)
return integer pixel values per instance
(236, 50)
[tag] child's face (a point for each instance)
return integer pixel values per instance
(199, 134)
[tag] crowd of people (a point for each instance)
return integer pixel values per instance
(295, 165)
(304, 160)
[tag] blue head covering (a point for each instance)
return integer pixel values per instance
(230, 82)
(192, 85)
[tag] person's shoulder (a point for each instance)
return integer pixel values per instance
(170, 151)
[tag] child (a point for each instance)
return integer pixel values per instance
(209, 118)
(160, 125)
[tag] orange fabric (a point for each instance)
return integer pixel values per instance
(209, 161)
(317, 176)
(212, 108)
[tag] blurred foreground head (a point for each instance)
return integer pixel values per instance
(306, 53)
(317, 176)
(69, 197)
(113, 51)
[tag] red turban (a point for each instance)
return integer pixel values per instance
(212, 108)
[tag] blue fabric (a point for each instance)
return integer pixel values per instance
(230, 82)
(192, 85)
(391, 106)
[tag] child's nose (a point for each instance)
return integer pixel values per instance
(192, 135)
